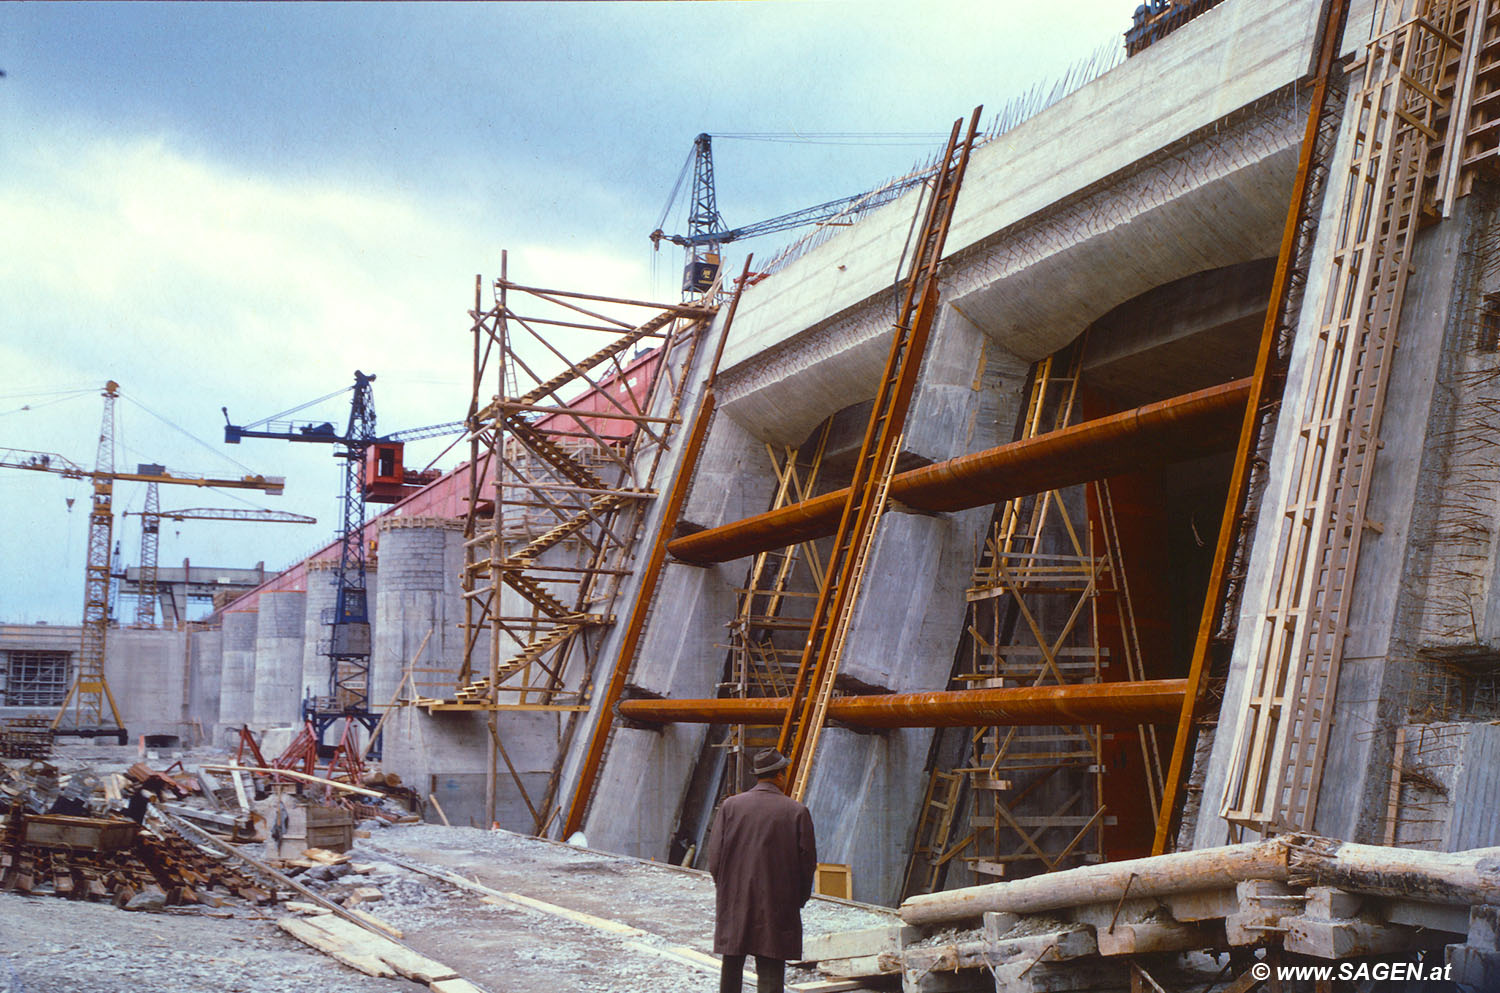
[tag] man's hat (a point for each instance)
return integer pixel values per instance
(767, 762)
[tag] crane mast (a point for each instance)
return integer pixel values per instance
(145, 601)
(703, 220)
(89, 692)
(349, 618)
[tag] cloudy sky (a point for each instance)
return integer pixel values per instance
(238, 205)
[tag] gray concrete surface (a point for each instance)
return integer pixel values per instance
(276, 698)
(237, 685)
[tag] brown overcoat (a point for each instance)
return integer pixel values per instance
(762, 855)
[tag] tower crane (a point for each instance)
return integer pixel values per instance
(89, 691)
(151, 518)
(707, 232)
(373, 472)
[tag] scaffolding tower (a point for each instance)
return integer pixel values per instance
(563, 458)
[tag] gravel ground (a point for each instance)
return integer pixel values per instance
(62, 946)
(48, 945)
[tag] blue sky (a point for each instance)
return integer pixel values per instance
(240, 204)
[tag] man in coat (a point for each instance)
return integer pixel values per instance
(762, 856)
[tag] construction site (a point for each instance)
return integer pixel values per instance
(1107, 531)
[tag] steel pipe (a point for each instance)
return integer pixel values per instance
(1182, 427)
(1113, 704)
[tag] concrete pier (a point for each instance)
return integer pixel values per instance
(237, 686)
(322, 594)
(419, 593)
(205, 677)
(278, 658)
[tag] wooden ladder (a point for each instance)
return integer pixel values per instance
(1284, 713)
(867, 490)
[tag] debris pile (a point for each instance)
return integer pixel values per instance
(124, 836)
(61, 835)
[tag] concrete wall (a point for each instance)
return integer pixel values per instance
(645, 775)
(447, 754)
(865, 788)
(1449, 788)
(1375, 679)
(147, 672)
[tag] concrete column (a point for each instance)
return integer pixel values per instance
(206, 651)
(866, 790)
(445, 754)
(418, 593)
(278, 658)
(237, 686)
(322, 591)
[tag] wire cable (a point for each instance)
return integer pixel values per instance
(299, 407)
(888, 138)
(49, 393)
(48, 403)
(188, 434)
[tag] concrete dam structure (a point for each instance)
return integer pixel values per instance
(1127, 487)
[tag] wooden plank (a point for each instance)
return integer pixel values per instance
(1328, 903)
(374, 921)
(852, 944)
(303, 930)
(413, 965)
(235, 770)
(577, 916)
(454, 986)
(884, 963)
(239, 789)
(827, 986)
(301, 907)
(1203, 905)
(946, 958)
(1435, 916)
(1051, 946)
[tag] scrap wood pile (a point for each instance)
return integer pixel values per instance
(1198, 917)
(62, 835)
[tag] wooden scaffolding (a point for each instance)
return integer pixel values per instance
(563, 458)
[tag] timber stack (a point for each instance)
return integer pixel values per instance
(1198, 917)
